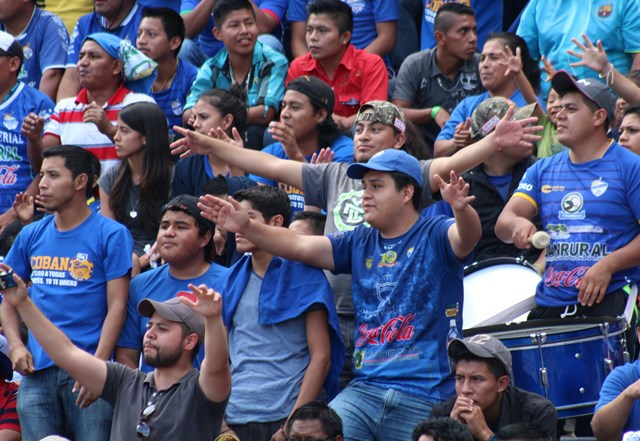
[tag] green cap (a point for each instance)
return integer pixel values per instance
(488, 114)
(383, 112)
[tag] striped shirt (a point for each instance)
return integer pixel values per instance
(67, 123)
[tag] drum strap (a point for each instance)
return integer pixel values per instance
(510, 313)
(632, 290)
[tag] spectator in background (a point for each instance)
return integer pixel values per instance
(201, 44)
(160, 37)
(185, 245)
(441, 429)
(244, 61)
(314, 420)
(375, 24)
(215, 109)
(308, 222)
(19, 104)
(134, 192)
(118, 17)
(431, 83)
(44, 40)
(507, 70)
(355, 75)
(113, 74)
(69, 12)
(548, 27)
(9, 422)
(630, 129)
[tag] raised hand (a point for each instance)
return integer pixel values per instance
(227, 214)
(462, 134)
(455, 192)
(24, 205)
(547, 67)
(287, 137)
(93, 113)
(518, 134)
(32, 127)
(593, 57)
(512, 62)
(208, 302)
(191, 144)
(325, 156)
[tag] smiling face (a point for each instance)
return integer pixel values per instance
(238, 32)
(553, 106)
(323, 37)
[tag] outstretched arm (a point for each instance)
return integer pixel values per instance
(251, 161)
(90, 371)
(513, 224)
(312, 250)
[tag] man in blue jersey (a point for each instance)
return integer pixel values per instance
(407, 288)
(588, 198)
(185, 244)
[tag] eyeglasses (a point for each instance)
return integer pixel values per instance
(295, 438)
(143, 430)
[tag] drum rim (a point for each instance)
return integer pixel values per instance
(540, 323)
(494, 261)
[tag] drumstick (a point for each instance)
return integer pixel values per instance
(540, 239)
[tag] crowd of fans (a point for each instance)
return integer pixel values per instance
(217, 216)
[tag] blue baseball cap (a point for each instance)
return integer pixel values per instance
(390, 160)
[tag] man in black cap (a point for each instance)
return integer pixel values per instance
(173, 402)
(588, 198)
(485, 400)
(185, 244)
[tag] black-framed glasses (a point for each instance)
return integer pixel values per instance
(143, 430)
(295, 438)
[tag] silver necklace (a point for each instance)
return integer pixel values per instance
(133, 213)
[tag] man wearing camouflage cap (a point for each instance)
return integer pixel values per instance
(485, 399)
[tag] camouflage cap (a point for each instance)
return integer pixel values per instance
(383, 112)
(488, 114)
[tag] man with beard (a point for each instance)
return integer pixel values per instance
(151, 405)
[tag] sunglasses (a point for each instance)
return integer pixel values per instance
(143, 430)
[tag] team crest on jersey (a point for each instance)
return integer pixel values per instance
(80, 267)
(598, 187)
(571, 205)
(176, 107)
(9, 121)
(605, 10)
(28, 52)
(368, 262)
(357, 6)
(388, 259)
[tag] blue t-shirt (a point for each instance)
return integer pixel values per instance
(44, 43)
(92, 22)
(405, 292)
(590, 210)
(549, 25)
(488, 14)
(172, 100)
(15, 170)
(465, 108)
(159, 285)
(210, 45)
(69, 271)
(343, 149)
(615, 383)
(171, 4)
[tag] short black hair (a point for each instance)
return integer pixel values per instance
(77, 160)
(172, 22)
(315, 220)
(186, 332)
(631, 109)
(442, 429)
(225, 7)
(269, 201)
(446, 15)
(493, 364)
(401, 180)
(523, 432)
(339, 12)
(317, 410)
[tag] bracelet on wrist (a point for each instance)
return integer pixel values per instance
(608, 77)
(434, 111)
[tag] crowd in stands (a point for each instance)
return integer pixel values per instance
(250, 219)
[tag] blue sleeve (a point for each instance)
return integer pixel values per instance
(77, 37)
(18, 258)
(616, 382)
(343, 150)
(297, 10)
(187, 6)
(277, 7)
(53, 52)
(263, 181)
(341, 246)
(458, 115)
(528, 29)
(202, 83)
(45, 107)
(631, 26)
(118, 249)
(528, 187)
(130, 336)
(385, 10)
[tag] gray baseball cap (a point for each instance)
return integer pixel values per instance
(562, 82)
(174, 310)
(484, 346)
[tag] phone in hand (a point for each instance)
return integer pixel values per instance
(6, 280)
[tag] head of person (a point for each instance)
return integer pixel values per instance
(329, 28)
(630, 129)
(588, 108)
(441, 429)
(111, 9)
(522, 432)
(265, 204)
(160, 34)
(482, 369)
(235, 26)
(221, 108)
(67, 172)
(184, 235)
(554, 104)
(314, 421)
(455, 30)
(309, 223)
(11, 58)
(307, 107)
(106, 61)
(621, 103)
(174, 331)
(392, 182)
(494, 54)
(380, 125)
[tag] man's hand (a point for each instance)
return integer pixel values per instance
(32, 127)
(85, 398)
(93, 113)
(23, 205)
(548, 68)
(229, 215)
(469, 413)
(220, 134)
(523, 231)
(593, 57)
(287, 137)
(462, 134)
(513, 62)
(189, 145)
(455, 192)
(518, 134)
(325, 156)
(278, 436)
(593, 285)
(208, 302)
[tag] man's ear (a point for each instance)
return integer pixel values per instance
(276, 221)
(117, 68)
(503, 383)
(80, 182)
